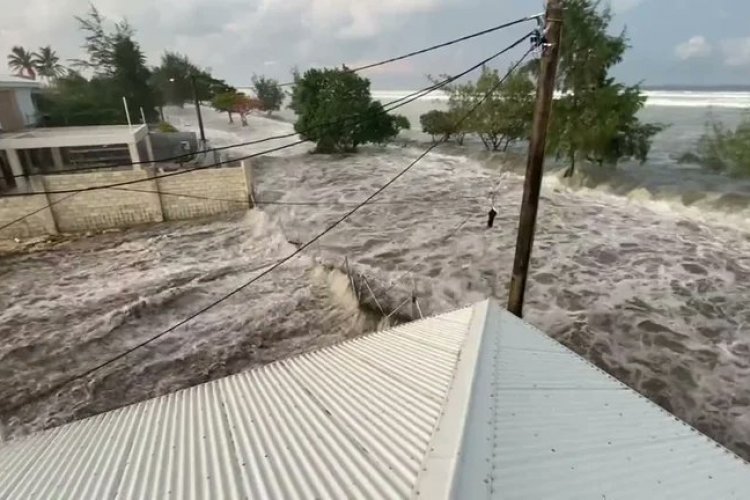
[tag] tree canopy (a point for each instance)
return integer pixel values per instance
(173, 80)
(21, 61)
(336, 111)
(269, 92)
(595, 119)
(120, 70)
(497, 111)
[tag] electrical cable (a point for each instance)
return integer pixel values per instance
(269, 269)
(440, 45)
(187, 156)
(401, 102)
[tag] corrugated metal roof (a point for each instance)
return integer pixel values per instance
(350, 421)
(545, 423)
(471, 404)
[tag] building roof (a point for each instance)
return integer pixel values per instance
(73, 136)
(470, 404)
(17, 82)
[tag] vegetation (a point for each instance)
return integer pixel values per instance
(336, 111)
(724, 150)
(440, 124)
(224, 103)
(47, 63)
(498, 112)
(173, 78)
(118, 68)
(166, 128)
(596, 118)
(269, 93)
(22, 62)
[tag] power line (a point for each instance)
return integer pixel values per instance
(440, 45)
(400, 102)
(268, 270)
(188, 156)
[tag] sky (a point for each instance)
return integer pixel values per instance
(685, 42)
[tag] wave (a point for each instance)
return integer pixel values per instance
(679, 99)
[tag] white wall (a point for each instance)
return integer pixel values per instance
(26, 106)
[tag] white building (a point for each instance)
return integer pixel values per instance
(17, 108)
(26, 151)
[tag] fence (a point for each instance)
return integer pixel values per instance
(195, 194)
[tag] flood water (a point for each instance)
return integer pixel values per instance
(652, 291)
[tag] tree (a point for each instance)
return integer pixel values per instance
(131, 78)
(99, 43)
(119, 70)
(504, 110)
(224, 103)
(173, 78)
(47, 63)
(269, 92)
(595, 119)
(21, 61)
(244, 105)
(336, 111)
(438, 123)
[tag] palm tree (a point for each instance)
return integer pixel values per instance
(20, 61)
(47, 63)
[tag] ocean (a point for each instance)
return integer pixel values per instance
(642, 269)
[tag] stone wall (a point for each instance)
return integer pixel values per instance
(174, 197)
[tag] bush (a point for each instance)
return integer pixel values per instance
(166, 128)
(336, 111)
(726, 150)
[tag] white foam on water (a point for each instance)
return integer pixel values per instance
(656, 296)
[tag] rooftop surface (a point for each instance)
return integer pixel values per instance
(470, 404)
(15, 81)
(72, 136)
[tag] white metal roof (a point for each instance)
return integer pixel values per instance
(470, 404)
(95, 135)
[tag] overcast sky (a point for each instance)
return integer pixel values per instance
(674, 41)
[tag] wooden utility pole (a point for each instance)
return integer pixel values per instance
(535, 166)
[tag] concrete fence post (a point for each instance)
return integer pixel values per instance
(247, 170)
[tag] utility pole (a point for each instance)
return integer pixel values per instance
(550, 41)
(198, 111)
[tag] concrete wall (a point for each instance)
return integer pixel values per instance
(226, 187)
(105, 208)
(169, 145)
(26, 106)
(185, 196)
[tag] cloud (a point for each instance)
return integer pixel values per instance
(695, 48)
(736, 52)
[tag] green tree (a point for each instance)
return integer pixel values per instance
(48, 63)
(131, 78)
(438, 124)
(224, 103)
(21, 61)
(503, 109)
(173, 79)
(100, 43)
(119, 70)
(596, 118)
(269, 92)
(336, 111)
